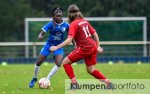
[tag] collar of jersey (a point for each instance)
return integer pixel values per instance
(60, 23)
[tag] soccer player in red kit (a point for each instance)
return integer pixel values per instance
(87, 47)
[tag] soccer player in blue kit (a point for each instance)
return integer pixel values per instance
(57, 28)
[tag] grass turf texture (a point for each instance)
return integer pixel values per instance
(14, 79)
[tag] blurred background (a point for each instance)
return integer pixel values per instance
(122, 25)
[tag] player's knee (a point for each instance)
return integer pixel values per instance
(58, 65)
(63, 63)
(38, 63)
(89, 71)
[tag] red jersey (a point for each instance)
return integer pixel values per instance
(82, 31)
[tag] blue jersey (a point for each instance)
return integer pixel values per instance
(55, 38)
(56, 32)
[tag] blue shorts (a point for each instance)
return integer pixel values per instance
(45, 51)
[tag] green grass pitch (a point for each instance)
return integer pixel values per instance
(14, 78)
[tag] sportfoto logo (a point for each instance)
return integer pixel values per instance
(118, 86)
(103, 86)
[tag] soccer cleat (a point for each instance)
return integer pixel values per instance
(33, 81)
(110, 86)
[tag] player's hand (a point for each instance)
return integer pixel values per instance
(40, 37)
(75, 46)
(53, 48)
(100, 49)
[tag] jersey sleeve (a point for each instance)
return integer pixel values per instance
(91, 29)
(46, 27)
(72, 30)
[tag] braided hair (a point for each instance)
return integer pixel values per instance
(54, 12)
(57, 10)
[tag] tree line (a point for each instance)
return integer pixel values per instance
(13, 12)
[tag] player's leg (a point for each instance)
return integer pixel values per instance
(58, 56)
(43, 54)
(90, 66)
(96, 73)
(74, 56)
(68, 69)
(39, 61)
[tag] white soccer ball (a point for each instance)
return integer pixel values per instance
(44, 83)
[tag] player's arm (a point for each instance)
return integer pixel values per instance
(96, 38)
(41, 35)
(74, 43)
(45, 29)
(66, 42)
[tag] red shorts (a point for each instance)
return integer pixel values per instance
(89, 56)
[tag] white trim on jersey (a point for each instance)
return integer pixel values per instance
(44, 30)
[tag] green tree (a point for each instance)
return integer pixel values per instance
(12, 14)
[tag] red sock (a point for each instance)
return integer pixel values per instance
(70, 73)
(100, 76)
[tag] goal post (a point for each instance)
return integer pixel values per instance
(91, 19)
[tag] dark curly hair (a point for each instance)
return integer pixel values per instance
(56, 10)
